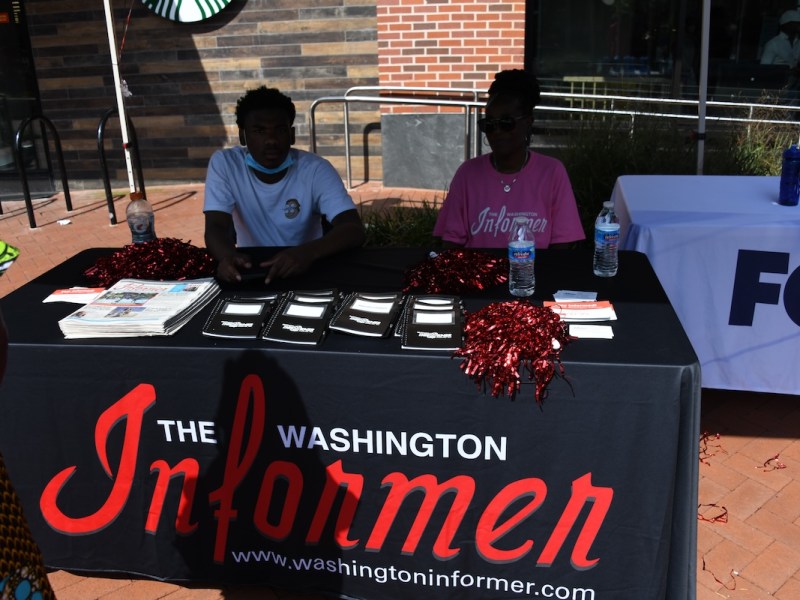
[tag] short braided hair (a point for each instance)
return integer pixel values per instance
(264, 98)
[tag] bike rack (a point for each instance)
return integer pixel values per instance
(23, 175)
(132, 145)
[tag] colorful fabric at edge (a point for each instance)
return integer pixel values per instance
(8, 254)
(22, 572)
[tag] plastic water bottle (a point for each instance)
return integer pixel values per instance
(790, 177)
(606, 242)
(141, 219)
(521, 257)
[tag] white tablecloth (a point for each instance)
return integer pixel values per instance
(702, 234)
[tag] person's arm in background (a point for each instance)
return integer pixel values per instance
(768, 55)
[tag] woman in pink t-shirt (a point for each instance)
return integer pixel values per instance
(488, 191)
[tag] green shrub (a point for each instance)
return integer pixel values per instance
(397, 224)
(600, 150)
(758, 146)
(596, 152)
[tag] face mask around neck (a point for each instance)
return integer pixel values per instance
(252, 163)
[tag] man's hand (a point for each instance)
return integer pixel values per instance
(347, 231)
(287, 263)
(229, 267)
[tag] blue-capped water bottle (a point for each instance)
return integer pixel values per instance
(606, 242)
(790, 177)
(521, 257)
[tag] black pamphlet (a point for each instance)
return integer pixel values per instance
(365, 314)
(432, 323)
(239, 318)
(426, 301)
(302, 317)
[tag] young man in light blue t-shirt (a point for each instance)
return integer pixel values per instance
(267, 193)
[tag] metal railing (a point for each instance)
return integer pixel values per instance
(468, 106)
(472, 98)
(19, 139)
(133, 145)
(747, 108)
(559, 104)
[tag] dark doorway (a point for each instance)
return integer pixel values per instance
(19, 100)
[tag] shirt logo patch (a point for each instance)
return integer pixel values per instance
(292, 208)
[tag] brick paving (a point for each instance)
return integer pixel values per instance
(754, 555)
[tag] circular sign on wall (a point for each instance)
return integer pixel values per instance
(186, 11)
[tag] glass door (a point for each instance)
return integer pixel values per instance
(19, 100)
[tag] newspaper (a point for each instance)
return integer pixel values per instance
(137, 307)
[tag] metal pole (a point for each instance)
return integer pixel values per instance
(677, 72)
(123, 125)
(703, 91)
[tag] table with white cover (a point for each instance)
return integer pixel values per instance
(728, 256)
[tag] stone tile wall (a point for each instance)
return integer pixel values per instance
(449, 43)
(186, 77)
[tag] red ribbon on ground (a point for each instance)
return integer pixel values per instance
(158, 260)
(720, 517)
(772, 464)
(706, 446)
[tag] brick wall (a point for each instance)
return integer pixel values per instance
(186, 77)
(448, 43)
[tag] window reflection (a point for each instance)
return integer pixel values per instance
(653, 47)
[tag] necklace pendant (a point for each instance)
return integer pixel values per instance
(506, 188)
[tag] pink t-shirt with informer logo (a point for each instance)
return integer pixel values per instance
(477, 212)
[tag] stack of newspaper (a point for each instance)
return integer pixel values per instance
(137, 307)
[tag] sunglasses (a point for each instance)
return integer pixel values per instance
(505, 124)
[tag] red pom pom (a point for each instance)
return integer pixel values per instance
(455, 271)
(159, 260)
(502, 335)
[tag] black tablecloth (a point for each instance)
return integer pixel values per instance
(319, 469)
